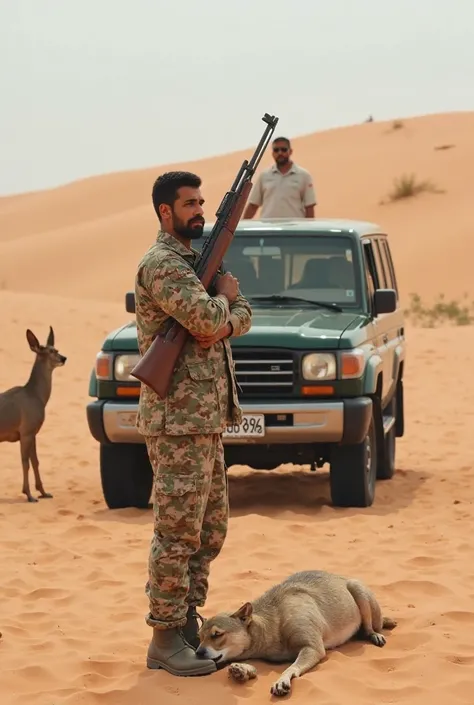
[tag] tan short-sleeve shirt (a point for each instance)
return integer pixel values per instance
(283, 195)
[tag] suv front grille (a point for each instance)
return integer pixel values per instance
(264, 372)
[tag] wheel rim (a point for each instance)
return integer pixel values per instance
(390, 438)
(368, 456)
(391, 447)
(370, 461)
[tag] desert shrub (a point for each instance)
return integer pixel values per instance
(441, 312)
(407, 186)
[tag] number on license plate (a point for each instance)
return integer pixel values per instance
(127, 418)
(251, 425)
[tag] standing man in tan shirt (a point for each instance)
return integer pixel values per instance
(285, 190)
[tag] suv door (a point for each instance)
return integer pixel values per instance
(382, 322)
(396, 333)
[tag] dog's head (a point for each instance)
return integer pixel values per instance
(225, 636)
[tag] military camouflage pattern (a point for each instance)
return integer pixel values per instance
(191, 509)
(203, 396)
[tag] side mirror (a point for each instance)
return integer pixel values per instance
(130, 302)
(385, 301)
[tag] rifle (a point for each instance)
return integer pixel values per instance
(155, 368)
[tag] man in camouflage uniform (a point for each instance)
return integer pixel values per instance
(183, 431)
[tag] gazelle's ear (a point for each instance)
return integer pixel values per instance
(50, 340)
(33, 341)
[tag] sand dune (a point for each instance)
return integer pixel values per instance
(72, 572)
(103, 224)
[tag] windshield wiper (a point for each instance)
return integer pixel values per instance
(283, 298)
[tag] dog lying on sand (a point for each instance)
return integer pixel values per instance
(296, 620)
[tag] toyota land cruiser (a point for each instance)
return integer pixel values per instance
(320, 371)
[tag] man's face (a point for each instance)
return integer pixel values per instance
(281, 153)
(187, 214)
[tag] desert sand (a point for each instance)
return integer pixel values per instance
(72, 600)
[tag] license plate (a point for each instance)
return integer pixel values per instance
(252, 425)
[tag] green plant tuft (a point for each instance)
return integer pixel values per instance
(407, 186)
(442, 312)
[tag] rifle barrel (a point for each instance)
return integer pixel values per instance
(245, 173)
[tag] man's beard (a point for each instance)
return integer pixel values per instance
(187, 230)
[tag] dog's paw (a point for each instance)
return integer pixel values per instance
(281, 686)
(241, 672)
(377, 639)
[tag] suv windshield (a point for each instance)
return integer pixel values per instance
(317, 268)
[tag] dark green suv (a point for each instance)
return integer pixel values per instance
(320, 372)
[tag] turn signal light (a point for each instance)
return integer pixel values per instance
(103, 366)
(321, 391)
(352, 364)
(128, 391)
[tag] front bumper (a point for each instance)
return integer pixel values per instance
(343, 421)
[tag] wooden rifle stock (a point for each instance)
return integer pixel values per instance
(155, 368)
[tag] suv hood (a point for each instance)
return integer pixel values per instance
(293, 327)
(123, 338)
(297, 328)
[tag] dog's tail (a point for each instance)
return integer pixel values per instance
(389, 623)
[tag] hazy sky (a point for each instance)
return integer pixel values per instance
(94, 86)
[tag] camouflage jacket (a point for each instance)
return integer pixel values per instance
(203, 394)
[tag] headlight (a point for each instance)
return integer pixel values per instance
(318, 366)
(124, 364)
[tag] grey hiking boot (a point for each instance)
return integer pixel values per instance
(191, 628)
(169, 650)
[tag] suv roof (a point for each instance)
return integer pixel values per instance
(359, 228)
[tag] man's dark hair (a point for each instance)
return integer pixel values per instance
(165, 188)
(282, 139)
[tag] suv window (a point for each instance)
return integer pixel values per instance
(316, 267)
(371, 266)
(388, 265)
(381, 269)
(374, 272)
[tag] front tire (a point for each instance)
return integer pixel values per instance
(353, 471)
(126, 475)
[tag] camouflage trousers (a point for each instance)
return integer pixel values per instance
(191, 510)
